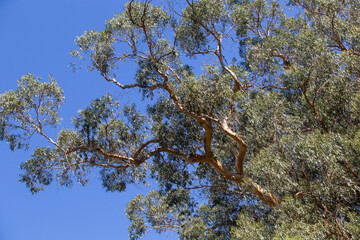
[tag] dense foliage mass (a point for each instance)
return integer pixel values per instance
(258, 143)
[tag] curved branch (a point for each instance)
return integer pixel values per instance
(137, 153)
(266, 196)
(194, 158)
(101, 151)
(134, 85)
(218, 53)
(239, 164)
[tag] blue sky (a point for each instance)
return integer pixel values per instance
(37, 37)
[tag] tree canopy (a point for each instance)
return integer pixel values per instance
(258, 143)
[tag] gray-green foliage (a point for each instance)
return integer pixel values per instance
(261, 143)
(27, 110)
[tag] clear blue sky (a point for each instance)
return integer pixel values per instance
(37, 36)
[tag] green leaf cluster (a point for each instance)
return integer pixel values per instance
(258, 143)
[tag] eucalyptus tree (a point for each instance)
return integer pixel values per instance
(260, 143)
